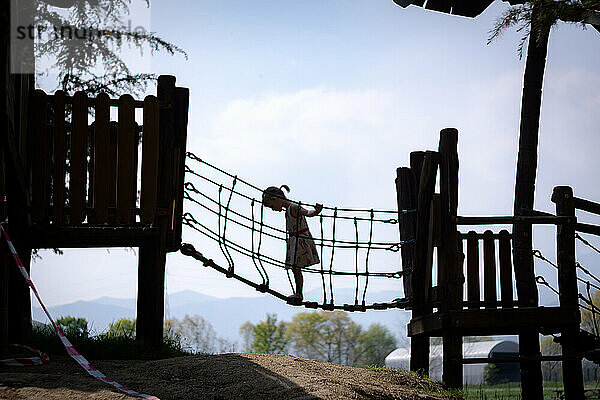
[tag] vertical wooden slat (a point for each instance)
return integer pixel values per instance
(79, 135)
(434, 237)
(489, 269)
(112, 168)
(91, 182)
(504, 256)
(149, 185)
(102, 158)
(461, 266)
(126, 184)
(39, 156)
(473, 296)
(137, 129)
(60, 158)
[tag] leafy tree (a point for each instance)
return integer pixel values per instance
(375, 345)
(197, 334)
(97, 65)
(268, 336)
(123, 327)
(326, 336)
(551, 370)
(491, 374)
(590, 321)
(247, 334)
(73, 327)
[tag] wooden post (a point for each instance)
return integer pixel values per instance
(406, 192)
(152, 256)
(419, 360)
(562, 196)
(182, 99)
(5, 259)
(448, 259)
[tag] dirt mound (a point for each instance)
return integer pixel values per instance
(226, 376)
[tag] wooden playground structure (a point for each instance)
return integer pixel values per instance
(72, 183)
(72, 179)
(443, 310)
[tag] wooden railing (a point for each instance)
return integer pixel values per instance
(91, 159)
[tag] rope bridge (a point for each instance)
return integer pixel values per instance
(252, 220)
(589, 339)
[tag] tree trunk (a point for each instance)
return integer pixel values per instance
(531, 376)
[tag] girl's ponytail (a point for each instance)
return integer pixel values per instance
(286, 187)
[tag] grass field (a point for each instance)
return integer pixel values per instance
(512, 391)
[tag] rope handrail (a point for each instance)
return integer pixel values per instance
(193, 157)
(190, 221)
(582, 240)
(189, 250)
(538, 254)
(392, 221)
(390, 246)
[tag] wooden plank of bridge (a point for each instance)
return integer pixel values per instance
(126, 182)
(60, 158)
(473, 295)
(420, 345)
(149, 184)
(448, 260)
(79, 143)
(489, 270)
(562, 196)
(504, 258)
(101, 176)
(40, 158)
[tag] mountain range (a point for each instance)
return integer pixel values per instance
(225, 315)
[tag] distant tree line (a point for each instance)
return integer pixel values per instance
(326, 336)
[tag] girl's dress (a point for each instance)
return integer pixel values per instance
(299, 243)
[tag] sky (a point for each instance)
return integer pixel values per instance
(330, 97)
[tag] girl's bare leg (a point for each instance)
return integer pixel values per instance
(299, 282)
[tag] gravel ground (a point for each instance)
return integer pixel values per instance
(225, 376)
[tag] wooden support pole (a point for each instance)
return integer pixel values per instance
(448, 257)
(419, 360)
(562, 196)
(151, 283)
(152, 257)
(182, 99)
(5, 259)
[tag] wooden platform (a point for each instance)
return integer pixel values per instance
(495, 322)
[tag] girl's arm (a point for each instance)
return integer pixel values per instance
(294, 210)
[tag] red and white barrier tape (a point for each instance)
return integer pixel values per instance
(26, 361)
(72, 351)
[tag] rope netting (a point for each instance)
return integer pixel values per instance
(588, 298)
(233, 216)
